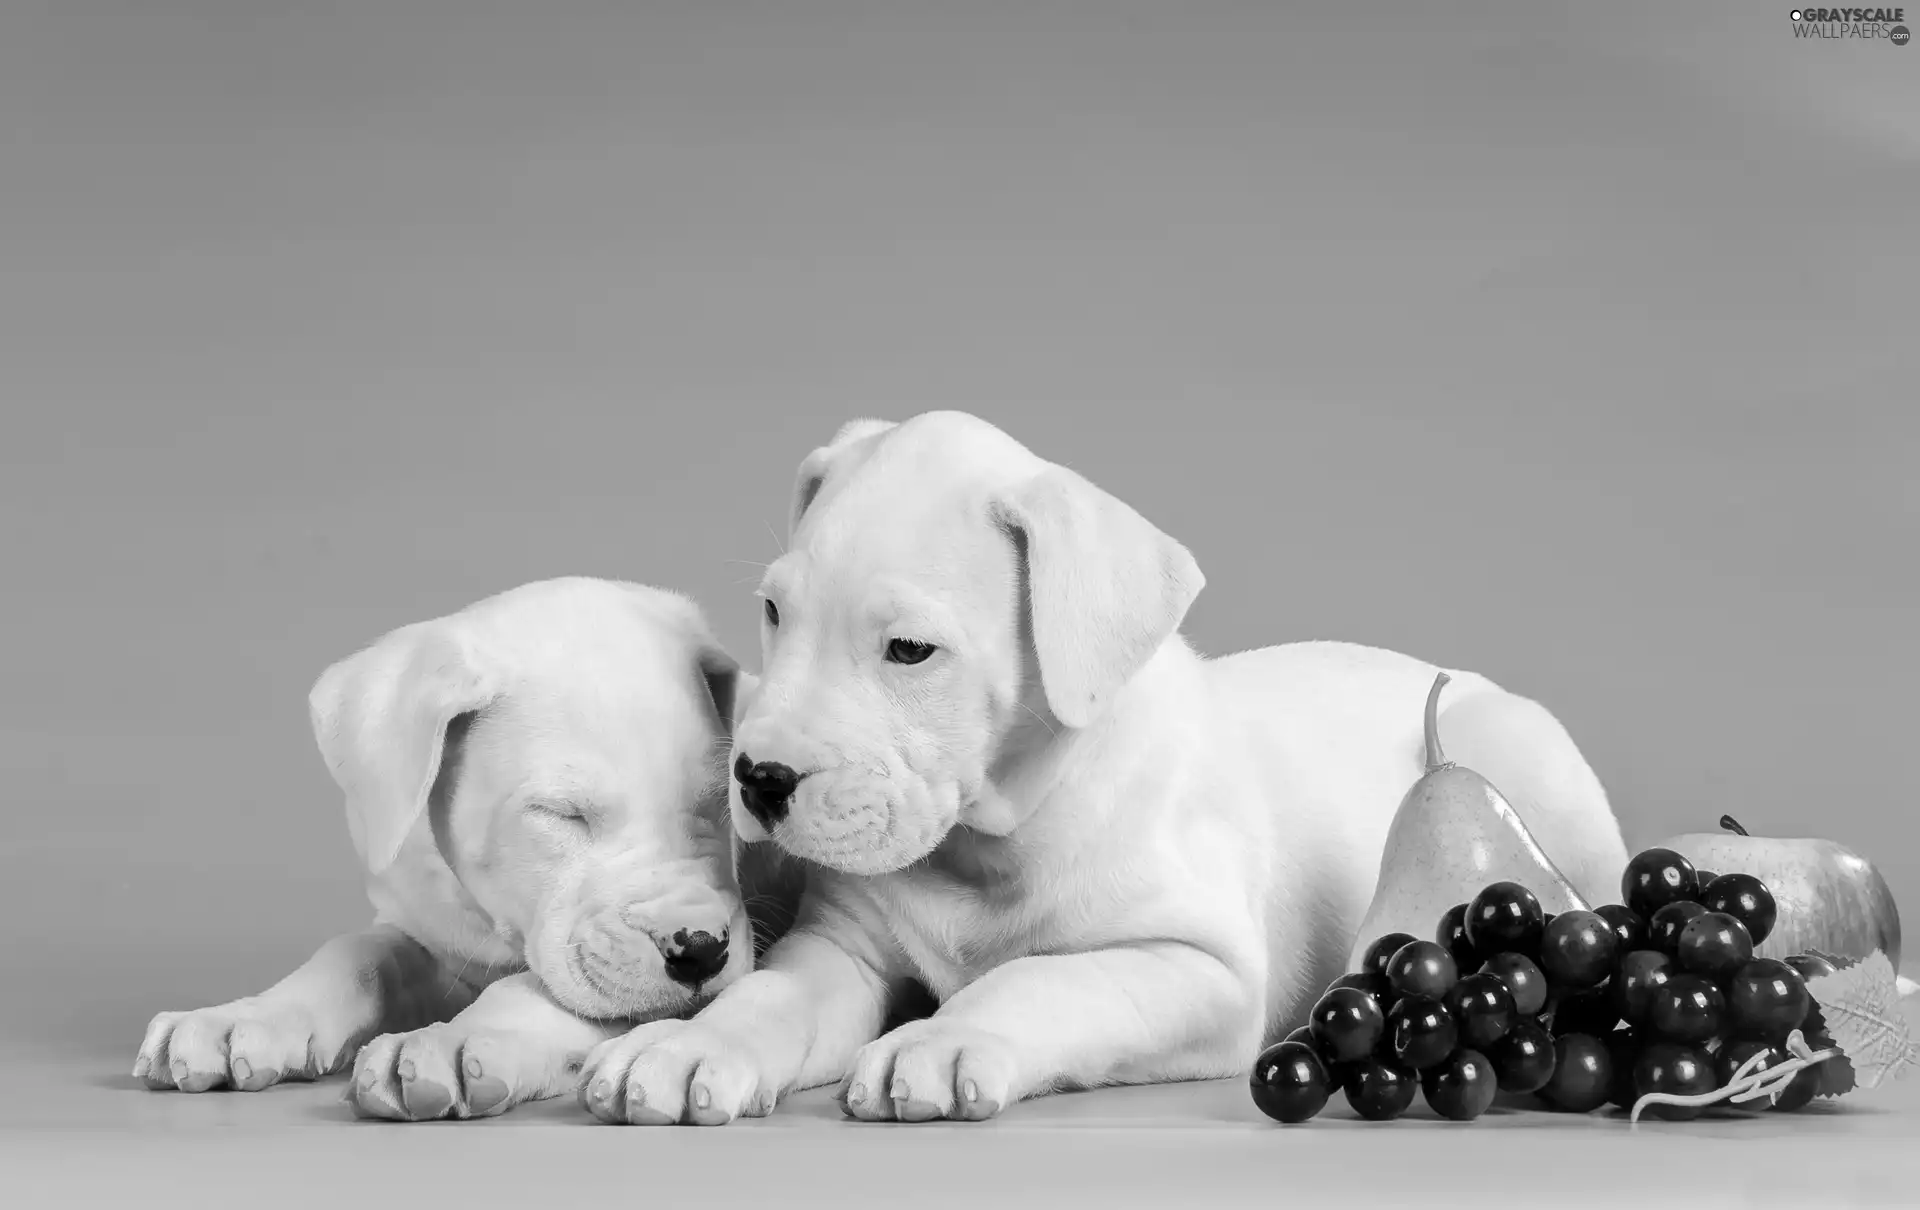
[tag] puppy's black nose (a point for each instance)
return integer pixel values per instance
(765, 787)
(696, 957)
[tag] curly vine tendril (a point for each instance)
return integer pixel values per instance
(1748, 1082)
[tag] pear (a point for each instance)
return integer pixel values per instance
(1453, 834)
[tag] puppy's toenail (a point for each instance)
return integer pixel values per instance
(701, 1097)
(179, 1070)
(600, 1090)
(970, 1090)
(473, 1068)
(857, 1093)
(242, 1070)
(900, 1091)
(141, 1068)
(405, 1069)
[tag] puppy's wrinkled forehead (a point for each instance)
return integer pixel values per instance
(603, 684)
(914, 500)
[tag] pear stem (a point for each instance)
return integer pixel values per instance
(1733, 825)
(1435, 758)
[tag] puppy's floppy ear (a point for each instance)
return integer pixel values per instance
(380, 719)
(814, 467)
(1105, 587)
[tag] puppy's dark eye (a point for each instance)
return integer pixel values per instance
(773, 613)
(907, 651)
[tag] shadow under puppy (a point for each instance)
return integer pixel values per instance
(536, 786)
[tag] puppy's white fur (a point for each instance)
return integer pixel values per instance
(1111, 860)
(535, 786)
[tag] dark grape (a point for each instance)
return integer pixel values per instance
(1766, 999)
(1523, 1060)
(1422, 968)
(1289, 1082)
(1656, 878)
(1663, 931)
(1577, 949)
(1687, 1009)
(1582, 1074)
(1524, 980)
(1482, 1009)
(1799, 1091)
(1505, 918)
(1347, 1023)
(1461, 1086)
(1304, 1036)
(1713, 944)
(1420, 1032)
(1585, 1012)
(1382, 951)
(1703, 877)
(1629, 930)
(1638, 976)
(1623, 1050)
(1674, 1068)
(1373, 984)
(1734, 1053)
(1810, 967)
(1452, 937)
(1746, 899)
(1380, 1091)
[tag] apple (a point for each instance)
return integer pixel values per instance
(1829, 897)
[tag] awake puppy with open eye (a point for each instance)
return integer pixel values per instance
(1111, 859)
(536, 788)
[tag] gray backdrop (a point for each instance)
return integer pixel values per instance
(1566, 343)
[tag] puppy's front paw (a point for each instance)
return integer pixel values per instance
(674, 1072)
(444, 1071)
(245, 1045)
(930, 1070)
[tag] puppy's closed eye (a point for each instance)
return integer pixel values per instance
(561, 813)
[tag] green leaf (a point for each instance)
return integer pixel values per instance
(1857, 1010)
(1836, 1074)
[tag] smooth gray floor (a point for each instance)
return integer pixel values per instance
(76, 1129)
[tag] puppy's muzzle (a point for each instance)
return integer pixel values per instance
(765, 787)
(693, 958)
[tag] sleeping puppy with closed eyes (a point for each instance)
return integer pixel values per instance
(536, 786)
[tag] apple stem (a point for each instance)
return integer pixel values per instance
(1732, 825)
(1435, 758)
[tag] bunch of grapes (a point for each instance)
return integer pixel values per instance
(1660, 993)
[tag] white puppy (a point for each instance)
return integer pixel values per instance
(536, 786)
(1111, 860)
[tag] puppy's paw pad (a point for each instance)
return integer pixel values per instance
(906, 1109)
(246, 1045)
(418, 1076)
(671, 1072)
(427, 1100)
(934, 1070)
